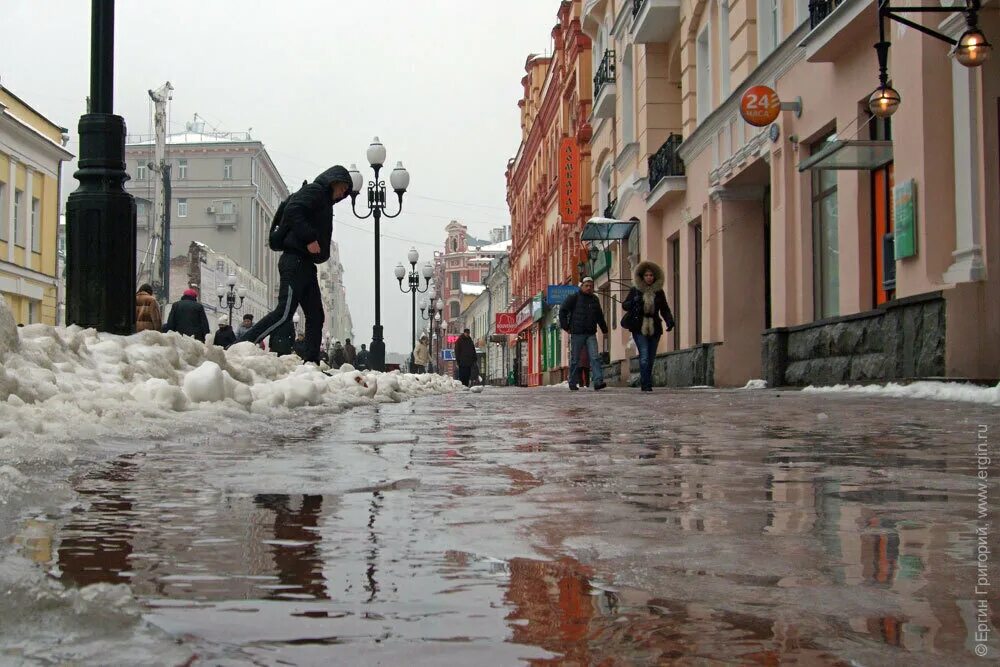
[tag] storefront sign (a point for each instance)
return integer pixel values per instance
(760, 106)
(556, 295)
(569, 180)
(452, 339)
(904, 219)
(537, 308)
(506, 323)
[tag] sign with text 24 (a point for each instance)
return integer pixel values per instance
(569, 180)
(760, 106)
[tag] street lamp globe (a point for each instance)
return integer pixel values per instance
(413, 256)
(400, 272)
(376, 153)
(433, 293)
(437, 318)
(423, 306)
(972, 49)
(884, 101)
(220, 291)
(428, 270)
(356, 180)
(399, 178)
(231, 280)
(242, 292)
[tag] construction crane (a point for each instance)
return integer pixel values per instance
(156, 262)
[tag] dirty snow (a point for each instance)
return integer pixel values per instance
(935, 391)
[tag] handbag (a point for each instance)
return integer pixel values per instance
(630, 321)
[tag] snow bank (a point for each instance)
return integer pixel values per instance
(756, 384)
(935, 391)
(67, 384)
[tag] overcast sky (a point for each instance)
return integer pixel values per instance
(437, 80)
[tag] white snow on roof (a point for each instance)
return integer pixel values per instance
(935, 391)
(503, 246)
(473, 289)
(200, 138)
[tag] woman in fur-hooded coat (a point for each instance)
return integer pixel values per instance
(645, 305)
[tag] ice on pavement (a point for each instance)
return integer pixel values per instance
(937, 391)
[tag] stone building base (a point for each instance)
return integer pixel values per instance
(902, 339)
(694, 366)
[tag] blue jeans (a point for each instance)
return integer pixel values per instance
(576, 343)
(647, 353)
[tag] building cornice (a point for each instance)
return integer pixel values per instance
(787, 55)
(34, 138)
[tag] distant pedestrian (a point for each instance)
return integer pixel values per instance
(337, 357)
(363, 357)
(147, 310)
(465, 357)
(187, 317)
(350, 354)
(581, 315)
(306, 226)
(645, 304)
(244, 325)
(421, 356)
(224, 335)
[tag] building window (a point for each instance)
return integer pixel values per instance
(724, 42)
(227, 169)
(140, 172)
(456, 280)
(227, 208)
(696, 233)
(34, 311)
(182, 208)
(19, 227)
(675, 288)
(628, 99)
(826, 245)
(883, 251)
(768, 27)
(36, 225)
(454, 245)
(704, 74)
(801, 11)
(456, 310)
(182, 169)
(3, 214)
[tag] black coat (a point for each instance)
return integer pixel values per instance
(188, 317)
(581, 314)
(635, 302)
(224, 337)
(309, 215)
(465, 351)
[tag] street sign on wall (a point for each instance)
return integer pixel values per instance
(506, 323)
(569, 180)
(904, 222)
(760, 106)
(556, 295)
(448, 355)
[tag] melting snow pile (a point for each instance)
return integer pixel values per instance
(937, 391)
(66, 384)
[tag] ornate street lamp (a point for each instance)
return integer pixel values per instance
(413, 286)
(399, 179)
(430, 310)
(230, 296)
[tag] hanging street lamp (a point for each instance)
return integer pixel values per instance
(413, 286)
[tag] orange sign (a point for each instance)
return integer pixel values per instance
(569, 180)
(760, 106)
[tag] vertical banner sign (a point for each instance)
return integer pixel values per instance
(904, 223)
(569, 180)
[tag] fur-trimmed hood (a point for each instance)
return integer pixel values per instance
(640, 270)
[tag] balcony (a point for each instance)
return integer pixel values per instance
(655, 21)
(837, 26)
(605, 91)
(666, 161)
(227, 219)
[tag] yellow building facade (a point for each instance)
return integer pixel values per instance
(31, 155)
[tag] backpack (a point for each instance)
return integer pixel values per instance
(279, 230)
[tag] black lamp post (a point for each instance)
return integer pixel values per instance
(230, 296)
(399, 179)
(100, 215)
(413, 286)
(430, 310)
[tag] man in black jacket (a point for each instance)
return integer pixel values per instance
(187, 317)
(308, 221)
(465, 357)
(580, 315)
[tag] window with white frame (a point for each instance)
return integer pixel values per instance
(182, 208)
(768, 27)
(140, 172)
(182, 169)
(3, 213)
(724, 41)
(227, 169)
(704, 74)
(36, 225)
(19, 227)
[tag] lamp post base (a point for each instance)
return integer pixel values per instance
(376, 353)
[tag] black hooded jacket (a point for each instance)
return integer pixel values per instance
(648, 303)
(187, 317)
(309, 215)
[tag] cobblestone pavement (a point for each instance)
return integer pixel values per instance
(548, 527)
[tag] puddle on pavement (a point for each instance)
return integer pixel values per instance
(558, 545)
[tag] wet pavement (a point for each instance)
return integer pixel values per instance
(548, 528)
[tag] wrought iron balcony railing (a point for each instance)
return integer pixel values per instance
(637, 6)
(605, 72)
(820, 9)
(609, 210)
(666, 161)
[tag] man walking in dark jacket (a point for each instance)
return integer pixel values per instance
(224, 335)
(465, 357)
(308, 225)
(187, 317)
(580, 315)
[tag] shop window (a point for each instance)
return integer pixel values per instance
(883, 251)
(696, 234)
(675, 288)
(826, 243)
